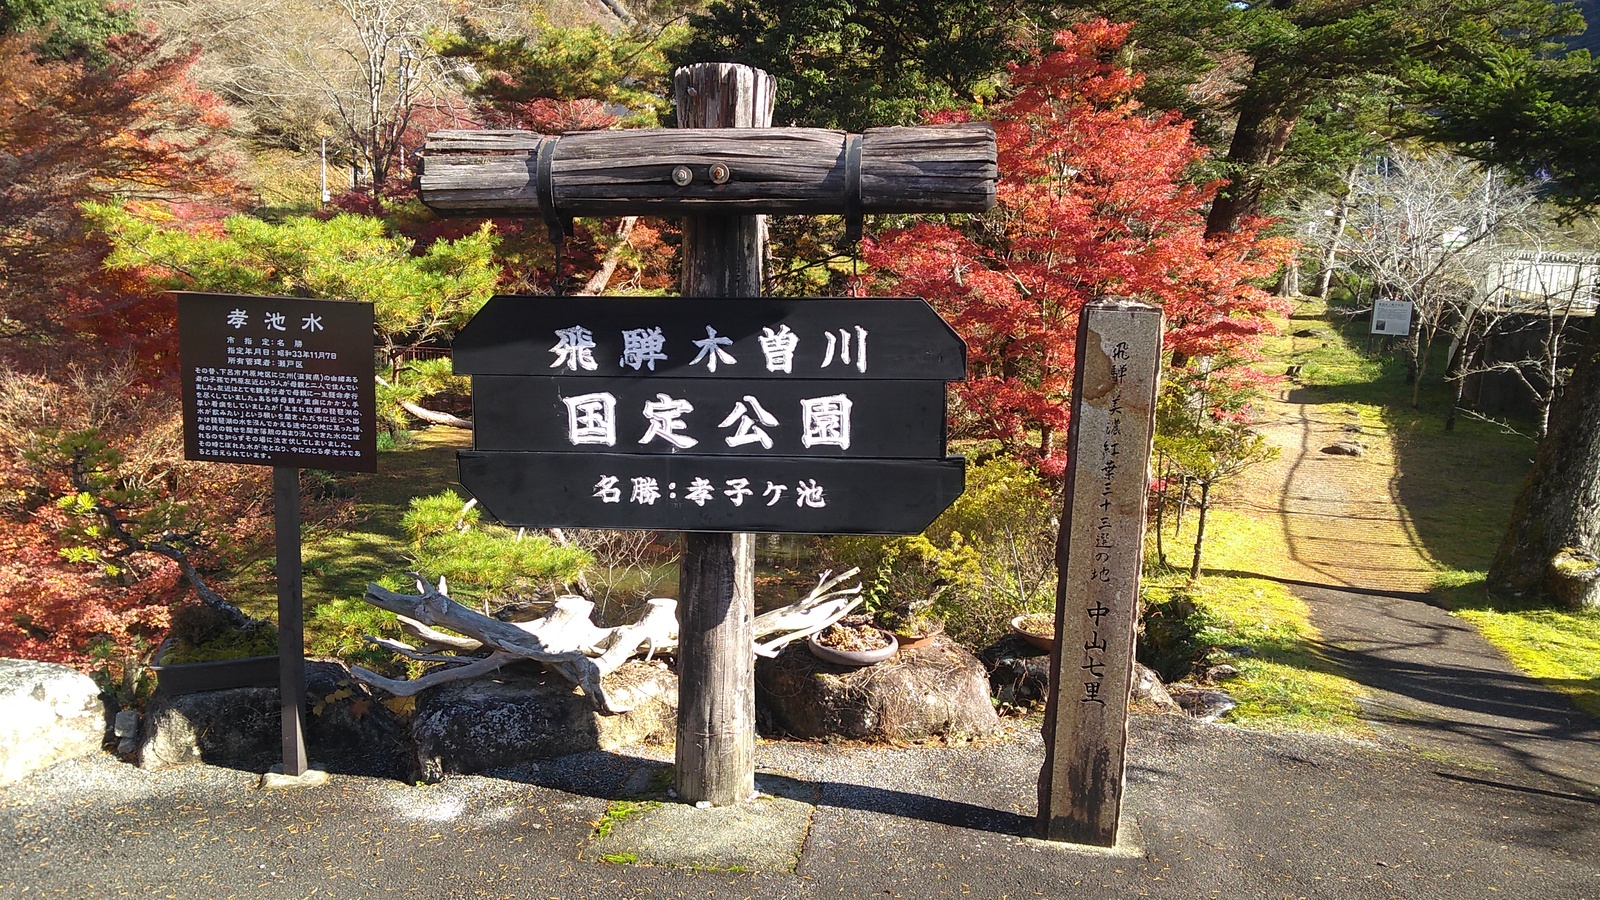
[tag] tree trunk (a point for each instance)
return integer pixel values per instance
(1265, 122)
(1203, 507)
(1289, 279)
(1330, 256)
(1161, 513)
(1559, 505)
(1422, 346)
(722, 257)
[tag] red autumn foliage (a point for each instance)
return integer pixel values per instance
(136, 127)
(133, 127)
(1095, 198)
(58, 608)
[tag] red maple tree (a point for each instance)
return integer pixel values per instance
(130, 125)
(134, 126)
(1095, 198)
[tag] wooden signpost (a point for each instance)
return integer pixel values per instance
(1099, 557)
(721, 170)
(283, 382)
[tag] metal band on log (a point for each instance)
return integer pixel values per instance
(939, 168)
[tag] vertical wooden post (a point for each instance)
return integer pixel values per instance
(291, 617)
(1098, 557)
(722, 257)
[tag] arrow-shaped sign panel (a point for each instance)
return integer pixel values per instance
(738, 338)
(887, 419)
(701, 493)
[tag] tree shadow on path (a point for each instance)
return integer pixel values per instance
(1438, 686)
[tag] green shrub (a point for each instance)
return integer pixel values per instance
(341, 627)
(987, 558)
(1175, 635)
(202, 634)
(483, 562)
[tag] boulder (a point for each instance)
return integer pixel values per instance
(1344, 448)
(1019, 672)
(1147, 690)
(523, 713)
(936, 690)
(1205, 704)
(49, 713)
(1221, 672)
(347, 728)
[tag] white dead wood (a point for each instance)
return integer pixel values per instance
(826, 604)
(566, 640)
(608, 266)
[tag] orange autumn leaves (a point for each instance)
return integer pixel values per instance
(1096, 198)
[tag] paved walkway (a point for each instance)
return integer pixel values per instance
(1211, 811)
(1500, 801)
(1435, 684)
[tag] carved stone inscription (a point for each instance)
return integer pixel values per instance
(1099, 556)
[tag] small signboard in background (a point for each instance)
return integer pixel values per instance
(1391, 317)
(278, 381)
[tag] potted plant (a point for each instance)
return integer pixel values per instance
(1038, 629)
(910, 621)
(852, 641)
(206, 651)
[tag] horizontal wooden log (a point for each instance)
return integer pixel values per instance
(943, 168)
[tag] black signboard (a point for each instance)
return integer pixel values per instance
(822, 416)
(892, 419)
(713, 493)
(687, 337)
(277, 381)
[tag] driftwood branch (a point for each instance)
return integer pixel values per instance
(435, 417)
(825, 605)
(608, 266)
(567, 641)
(411, 687)
(549, 646)
(437, 640)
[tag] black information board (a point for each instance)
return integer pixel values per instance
(713, 493)
(892, 338)
(813, 416)
(278, 381)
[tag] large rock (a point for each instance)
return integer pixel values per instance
(49, 713)
(937, 690)
(1019, 672)
(523, 713)
(347, 729)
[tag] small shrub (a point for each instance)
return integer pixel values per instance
(1173, 636)
(202, 634)
(986, 559)
(390, 440)
(342, 627)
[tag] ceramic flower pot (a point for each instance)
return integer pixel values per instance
(1042, 641)
(855, 658)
